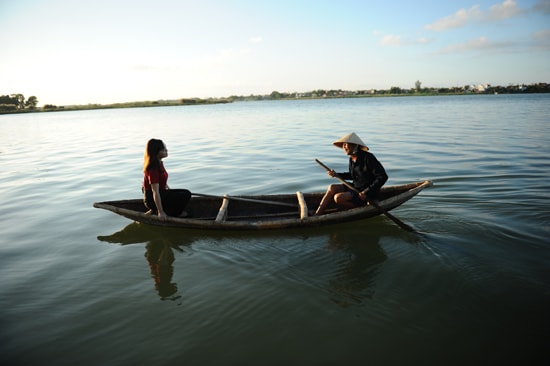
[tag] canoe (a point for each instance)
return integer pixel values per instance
(262, 212)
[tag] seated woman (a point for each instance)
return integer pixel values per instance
(158, 198)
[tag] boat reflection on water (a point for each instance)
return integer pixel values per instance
(354, 279)
(159, 252)
(348, 270)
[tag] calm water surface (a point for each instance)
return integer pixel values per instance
(81, 285)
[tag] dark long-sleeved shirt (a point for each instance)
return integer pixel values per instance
(366, 172)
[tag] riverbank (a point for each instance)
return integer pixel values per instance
(144, 104)
(316, 94)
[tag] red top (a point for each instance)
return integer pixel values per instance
(153, 176)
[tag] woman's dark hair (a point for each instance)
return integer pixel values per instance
(150, 160)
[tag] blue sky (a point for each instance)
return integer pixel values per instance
(106, 51)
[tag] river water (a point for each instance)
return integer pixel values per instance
(82, 285)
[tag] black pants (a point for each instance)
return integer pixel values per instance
(173, 200)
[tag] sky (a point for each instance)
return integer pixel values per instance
(112, 51)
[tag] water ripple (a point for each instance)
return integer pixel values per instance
(78, 279)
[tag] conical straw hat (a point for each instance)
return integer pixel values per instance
(350, 138)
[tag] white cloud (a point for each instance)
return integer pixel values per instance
(542, 40)
(457, 20)
(476, 44)
(543, 6)
(508, 9)
(391, 40)
(424, 40)
(479, 44)
(541, 35)
(397, 40)
(255, 40)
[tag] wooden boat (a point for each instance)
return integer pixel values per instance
(262, 212)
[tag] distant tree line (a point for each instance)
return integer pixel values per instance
(478, 89)
(395, 90)
(17, 102)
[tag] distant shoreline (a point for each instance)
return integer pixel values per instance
(145, 104)
(318, 94)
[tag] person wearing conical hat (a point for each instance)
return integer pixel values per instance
(366, 172)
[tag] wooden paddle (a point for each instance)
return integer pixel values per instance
(372, 202)
(276, 203)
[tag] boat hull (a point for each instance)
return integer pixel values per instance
(262, 212)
